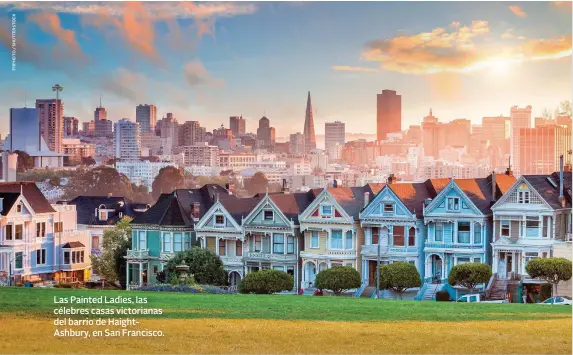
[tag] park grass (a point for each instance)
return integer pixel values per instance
(281, 324)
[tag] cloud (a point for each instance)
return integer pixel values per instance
(508, 34)
(353, 69)
(517, 11)
(196, 75)
(461, 49)
(50, 23)
(566, 5)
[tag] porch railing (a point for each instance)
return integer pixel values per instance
(361, 289)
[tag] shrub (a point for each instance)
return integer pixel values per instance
(469, 275)
(338, 279)
(205, 266)
(399, 277)
(552, 270)
(63, 286)
(443, 296)
(266, 282)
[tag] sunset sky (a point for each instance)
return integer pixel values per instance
(208, 61)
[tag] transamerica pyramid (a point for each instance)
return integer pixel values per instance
(309, 138)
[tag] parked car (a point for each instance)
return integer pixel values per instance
(558, 300)
(478, 298)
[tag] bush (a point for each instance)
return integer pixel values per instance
(469, 275)
(399, 277)
(63, 286)
(552, 270)
(338, 279)
(266, 282)
(443, 296)
(204, 265)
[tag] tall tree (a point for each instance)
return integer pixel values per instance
(110, 265)
(88, 161)
(168, 179)
(565, 108)
(469, 275)
(257, 184)
(552, 270)
(98, 181)
(25, 161)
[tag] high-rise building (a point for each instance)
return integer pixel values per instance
(201, 154)
(146, 116)
(237, 125)
(388, 113)
(519, 118)
(334, 136)
(88, 128)
(296, 143)
(100, 113)
(24, 130)
(103, 128)
(540, 148)
(191, 133)
(71, 126)
(51, 115)
(127, 140)
(309, 137)
(8, 166)
(432, 135)
(265, 134)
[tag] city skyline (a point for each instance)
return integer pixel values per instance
(439, 57)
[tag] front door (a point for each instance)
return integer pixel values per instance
(371, 272)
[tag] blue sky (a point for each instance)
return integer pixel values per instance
(209, 61)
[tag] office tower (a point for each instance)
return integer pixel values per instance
(88, 128)
(103, 128)
(497, 130)
(334, 135)
(265, 134)
(388, 113)
(24, 130)
(146, 116)
(434, 135)
(309, 137)
(519, 118)
(51, 116)
(201, 155)
(191, 133)
(237, 125)
(71, 126)
(127, 140)
(540, 148)
(458, 132)
(100, 113)
(8, 166)
(296, 143)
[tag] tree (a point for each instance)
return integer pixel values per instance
(257, 184)
(88, 161)
(55, 180)
(546, 113)
(25, 161)
(266, 282)
(565, 108)
(338, 279)
(205, 266)
(399, 277)
(111, 264)
(469, 275)
(552, 270)
(99, 181)
(140, 194)
(168, 179)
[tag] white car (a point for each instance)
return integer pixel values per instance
(559, 300)
(477, 298)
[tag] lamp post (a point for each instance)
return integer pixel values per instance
(10, 268)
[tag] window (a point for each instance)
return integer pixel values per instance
(19, 232)
(463, 232)
(314, 239)
(463, 261)
(336, 239)
(268, 215)
(375, 235)
(477, 233)
(532, 226)
(413, 262)
(195, 210)
(290, 244)
(412, 237)
(41, 230)
(530, 256)
(439, 232)
(388, 208)
(73, 257)
(142, 240)
(398, 236)
(258, 242)
(266, 244)
(219, 219)
(222, 247)
(477, 260)
(103, 216)
(177, 242)
(281, 268)
(95, 241)
(66, 257)
(238, 248)
(453, 204)
(19, 260)
(166, 242)
(278, 243)
(40, 256)
(58, 227)
(19, 208)
(9, 235)
(348, 244)
(505, 229)
(326, 210)
(523, 197)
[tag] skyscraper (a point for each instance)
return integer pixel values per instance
(334, 138)
(296, 143)
(519, 118)
(51, 117)
(71, 126)
(127, 140)
(265, 134)
(24, 130)
(237, 125)
(540, 148)
(309, 137)
(191, 133)
(146, 116)
(388, 113)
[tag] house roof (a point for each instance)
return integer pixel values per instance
(8, 200)
(87, 205)
(293, 204)
(412, 196)
(73, 245)
(239, 208)
(31, 193)
(351, 199)
(549, 192)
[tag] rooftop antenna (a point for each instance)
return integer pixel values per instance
(100, 100)
(25, 100)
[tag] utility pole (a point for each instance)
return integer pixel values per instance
(378, 271)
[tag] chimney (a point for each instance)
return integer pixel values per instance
(334, 183)
(493, 188)
(366, 199)
(284, 187)
(561, 197)
(391, 179)
(508, 171)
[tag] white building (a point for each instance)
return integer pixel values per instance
(202, 170)
(300, 167)
(518, 118)
(236, 162)
(200, 154)
(127, 140)
(319, 160)
(334, 134)
(141, 172)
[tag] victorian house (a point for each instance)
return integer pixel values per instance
(168, 227)
(331, 230)
(393, 228)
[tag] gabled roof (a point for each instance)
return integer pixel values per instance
(293, 204)
(86, 206)
(73, 245)
(239, 208)
(412, 196)
(31, 192)
(351, 199)
(549, 192)
(8, 200)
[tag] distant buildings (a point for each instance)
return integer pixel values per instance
(76, 150)
(8, 166)
(200, 154)
(51, 116)
(519, 118)
(540, 148)
(296, 144)
(388, 113)
(334, 138)
(191, 133)
(146, 116)
(265, 134)
(309, 137)
(237, 125)
(127, 140)
(141, 173)
(71, 127)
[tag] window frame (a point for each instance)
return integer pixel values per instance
(41, 256)
(289, 245)
(501, 228)
(9, 232)
(40, 229)
(332, 239)
(139, 239)
(272, 215)
(441, 234)
(392, 208)
(455, 202)
(312, 234)
(348, 236)
(322, 213)
(280, 245)
(177, 243)
(163, 242)
(18, 256)
(21, 230)
(222, 247)
(219, 224)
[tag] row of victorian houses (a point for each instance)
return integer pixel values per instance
(437, 224)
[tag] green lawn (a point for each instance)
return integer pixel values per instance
(39, 302)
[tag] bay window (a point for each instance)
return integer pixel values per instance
(463, 232)
(348, 240)
(398, 236)
(290, 244)
(532, 226)
(278, 243)
(336, 239)
(314, 239)
(477, 233)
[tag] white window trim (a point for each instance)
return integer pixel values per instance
(345, 239)
(330, 239)
(501, 228)
(448, 204)
(170, 236)
(218, 225)
(139, 240)
(46, 256)
(317, 240)
(268, 210)
(326, 205)
(22, 258)
(391, 203)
